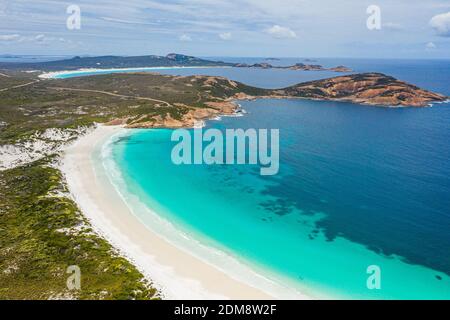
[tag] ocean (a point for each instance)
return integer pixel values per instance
(359, 188)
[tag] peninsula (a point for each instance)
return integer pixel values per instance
(145, 99)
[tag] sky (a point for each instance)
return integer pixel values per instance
(240, 28)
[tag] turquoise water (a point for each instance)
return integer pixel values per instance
(358, 186)
(335, 208)
(93, 72)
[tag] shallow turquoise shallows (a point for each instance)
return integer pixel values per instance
(358, 186)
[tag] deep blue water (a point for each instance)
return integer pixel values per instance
(382, 176)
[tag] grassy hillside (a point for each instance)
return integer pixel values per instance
(81, 101)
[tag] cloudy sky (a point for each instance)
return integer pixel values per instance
(283, 28)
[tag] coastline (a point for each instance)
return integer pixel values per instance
(58, 74)
(178, 274)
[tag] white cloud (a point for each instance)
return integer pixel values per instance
(441, 23)
(280, 32)
(430, 46)
(392, 26)
(109, 19)
(10, 37)
(185, 37)
(40, 38)
(43, 39)
(225, 36)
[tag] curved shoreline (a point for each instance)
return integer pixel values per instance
(177, 273)
(58, 74)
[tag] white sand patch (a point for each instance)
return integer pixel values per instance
(39, 145)
(56, 74)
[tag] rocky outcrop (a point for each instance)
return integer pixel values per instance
(190, 119)
(262, 65)
(340, 69)
(307, 67)
(365, 88)
(297, 66)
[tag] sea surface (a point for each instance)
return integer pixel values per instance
(359, 187)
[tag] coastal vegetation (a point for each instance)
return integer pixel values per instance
(43, 233)
(134, 98)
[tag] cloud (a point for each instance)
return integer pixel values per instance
(225, 36)
(392, 26)
(114, 27)
(430, 46)
(280, 32)
(43, 39)
(10, 37)
(185, 37)
(40, 38)
(441, 24)
(109, 19)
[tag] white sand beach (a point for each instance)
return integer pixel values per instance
(58, 74)
(177, 273)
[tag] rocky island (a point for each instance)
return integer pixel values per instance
(297, 66)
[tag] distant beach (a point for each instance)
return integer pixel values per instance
(93, 71)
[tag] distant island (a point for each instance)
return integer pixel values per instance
(8, 56)
(170, 60)
(297, 66)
